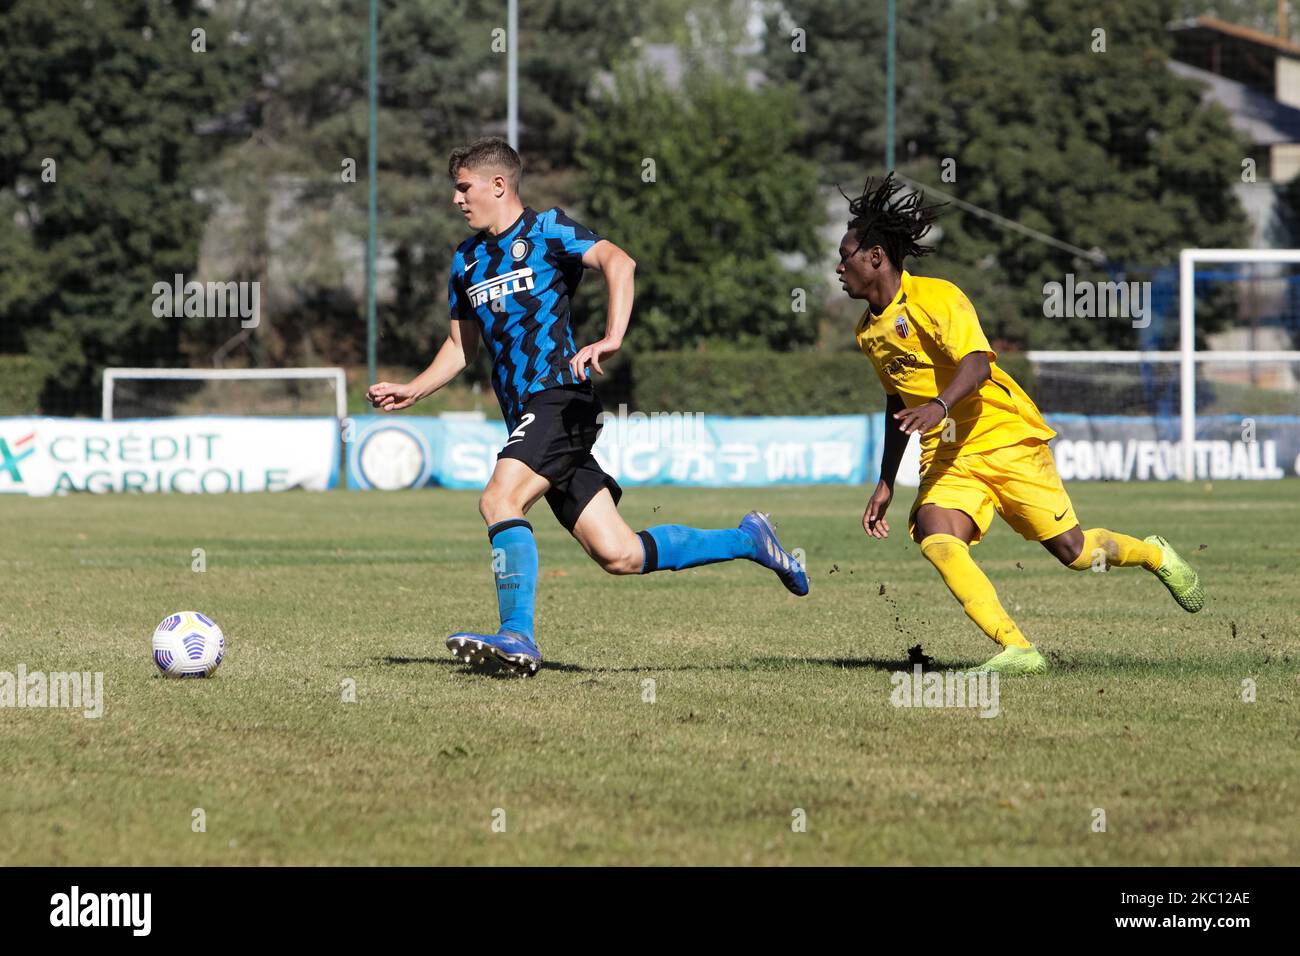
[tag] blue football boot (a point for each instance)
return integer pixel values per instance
(514, 652)
(769, 553)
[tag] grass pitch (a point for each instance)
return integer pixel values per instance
(763, 704)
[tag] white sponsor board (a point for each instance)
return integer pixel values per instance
(909, 466)
(1142, 459)
(1138, 448)
(207, 455)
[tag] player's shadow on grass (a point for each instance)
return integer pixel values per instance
(452, 662)
(850, 663)
(1077, 663)
(757, 664)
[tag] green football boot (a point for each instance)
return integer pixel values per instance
(1178, 576)
(1015, 660)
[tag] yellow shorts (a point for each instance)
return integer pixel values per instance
(1020, 482)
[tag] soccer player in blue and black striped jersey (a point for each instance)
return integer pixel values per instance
(511, 285)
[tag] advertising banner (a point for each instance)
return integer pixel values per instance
(204, 455)
(217, 454)
(708, 451)
(1132, 448)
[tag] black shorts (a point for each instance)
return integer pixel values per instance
(554, 438)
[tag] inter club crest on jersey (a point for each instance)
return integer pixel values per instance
(519, 249)
(900, 326)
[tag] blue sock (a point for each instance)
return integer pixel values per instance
(514, 565)
(671, 547)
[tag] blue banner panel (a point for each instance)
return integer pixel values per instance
(390, 452)
(711, 451)
(716, 452)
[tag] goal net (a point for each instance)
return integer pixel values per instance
(169, 392)
(1224, 402)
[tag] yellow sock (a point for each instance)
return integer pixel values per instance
(968, 585)
(1102, 548)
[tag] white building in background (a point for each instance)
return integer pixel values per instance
(1255, 77)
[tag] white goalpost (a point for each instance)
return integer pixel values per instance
(1187, 354)
(333, 376)
(1115, 385)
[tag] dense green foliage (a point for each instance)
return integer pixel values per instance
(1017, 109)
(706, 189)
(1108, 150)
(770, 383)
(234, 161)
(21, 379)
(101, 106)
(757, 383)
(833, 53)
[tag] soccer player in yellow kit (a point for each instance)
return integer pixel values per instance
(983, 441)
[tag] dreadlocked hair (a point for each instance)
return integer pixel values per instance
(896, 225)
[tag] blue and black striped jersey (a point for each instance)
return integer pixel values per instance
(517, 286)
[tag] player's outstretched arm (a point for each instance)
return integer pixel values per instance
(455, 354)
(873, 519)
(619, 270)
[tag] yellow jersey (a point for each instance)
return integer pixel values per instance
(915, 345)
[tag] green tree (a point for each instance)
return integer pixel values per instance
(100, 109)
(705, 190)
(294, 190)
(833, 52)
(564, 46)
(1106, 150)
(442, 83)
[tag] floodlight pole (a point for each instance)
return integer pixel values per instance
(372, 163)
(512, 74)
(890, 87)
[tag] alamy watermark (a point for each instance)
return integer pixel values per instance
(977, 690)
(656, 429)
(1085, 299)
(212, 300)
(128, 910)
(75, 690)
